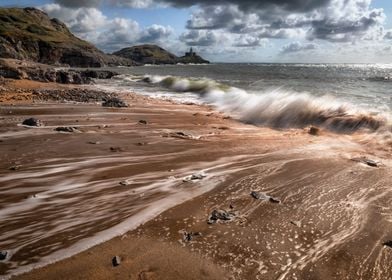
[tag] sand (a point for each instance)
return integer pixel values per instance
(115, 188)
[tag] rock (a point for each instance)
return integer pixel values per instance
(114, 102)
(366, 161)
(314, 131)
(125, 183)
(32, 122)
(141, 144)
(116, 149)
(143, 122)
(388, 243)
(193, 177)
(116, 261)
(371, 163)
(66, 129)
(181, 135)
(220, 215)
(188, 236)
(14, 167)
(3, 255)
(296, 223)
(94, 142)
(263, 196)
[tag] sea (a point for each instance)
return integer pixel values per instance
(341, 97)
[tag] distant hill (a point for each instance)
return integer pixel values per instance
(153, 54)
(29, 34)
(147, 54)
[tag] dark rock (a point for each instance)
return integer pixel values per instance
(32, 122)
(141, 143)
(66, 129)
(188, 236)
(274, 200)
(3, 255)
(143, 122)
(263, 196)
(114, 102)
(116, 149)
(367, 161)
(15, 167)
(314, 130)
(193, 177)
(116, 261)
(220, 215)
(388, 243)
(296, 223)
(371, 163)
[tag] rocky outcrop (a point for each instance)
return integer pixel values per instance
(17, 69)
(147, 54)
(153, 54)
(29, 34)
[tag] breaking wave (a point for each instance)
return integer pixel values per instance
(278, 108)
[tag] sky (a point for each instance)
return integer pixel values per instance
(305, 31)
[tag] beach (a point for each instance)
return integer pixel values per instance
(141, 183)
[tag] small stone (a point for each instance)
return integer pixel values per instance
(3, 255)
(371, 163)
(220, 215)
(15, 167)
(125, 183)
(188, 236)
(143, 122)
(32, 122)
(296, 223)
(114, 102)
(66, 129)
(314, 130)
(116, 149)
(94, 142)
(388, 243)
(116, 261)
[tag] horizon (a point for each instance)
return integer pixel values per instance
(309, 32)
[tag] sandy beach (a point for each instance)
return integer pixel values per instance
(142, 183)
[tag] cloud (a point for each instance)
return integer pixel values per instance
(79, 3)
(79, 20)
(250, 41)
(332, 20)
(295, 47)
(155, 33)
(199, 38)
(138, 4)
(107, 34)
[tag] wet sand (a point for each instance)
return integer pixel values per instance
(65, 196)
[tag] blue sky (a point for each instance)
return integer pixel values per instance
(235, 30)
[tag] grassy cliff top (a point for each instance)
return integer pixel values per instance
(35, 25)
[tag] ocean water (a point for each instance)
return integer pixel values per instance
(341, 97)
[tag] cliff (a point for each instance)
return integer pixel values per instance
(29, 34)
(153, 54)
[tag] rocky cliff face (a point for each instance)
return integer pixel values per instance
(152, 54)
(29, 34)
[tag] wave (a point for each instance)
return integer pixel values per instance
(278, 107)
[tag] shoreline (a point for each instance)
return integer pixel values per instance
(247, 247)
